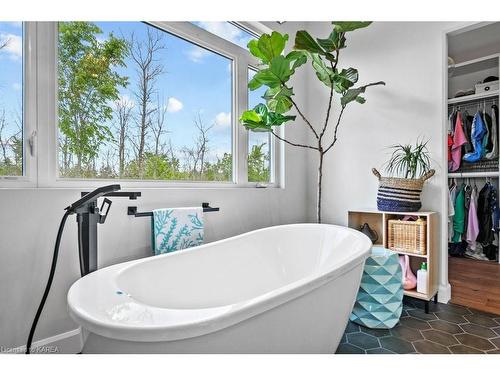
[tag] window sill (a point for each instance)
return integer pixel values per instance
(154, 185)
(70, 184)
(13, 182)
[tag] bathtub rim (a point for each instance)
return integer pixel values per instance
(237, 312)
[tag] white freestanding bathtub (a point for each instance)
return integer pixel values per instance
(283, 289)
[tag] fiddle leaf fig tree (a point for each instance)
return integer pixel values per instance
(277, 68)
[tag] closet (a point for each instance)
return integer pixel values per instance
(473, 139)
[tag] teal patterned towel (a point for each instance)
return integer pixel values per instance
(176, 228)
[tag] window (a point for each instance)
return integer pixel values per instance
(259, 152)
(136, 102)
(148, 104)
(11, 99)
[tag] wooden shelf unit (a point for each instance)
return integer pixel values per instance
(377, 220)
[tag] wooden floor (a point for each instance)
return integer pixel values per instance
(475, 284)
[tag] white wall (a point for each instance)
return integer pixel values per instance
(408, 56)
(29, 219)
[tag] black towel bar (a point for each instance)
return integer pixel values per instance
(132, 210)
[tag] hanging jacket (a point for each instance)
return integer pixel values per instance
(453, 121)
(467, 200)
(495, 211)
(472, 222)
(450, 145)
(491, 249)
(493, 154)
(467, 126)
(451, 210)
(487, 141)
(451, 126)
(458, 141)
(458, 219)
(484, 216)
(478, 132)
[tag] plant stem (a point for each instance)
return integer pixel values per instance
(320, 180)
(292, 143)
(336, 129)
(327, 114)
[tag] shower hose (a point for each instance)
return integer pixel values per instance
(49, 281)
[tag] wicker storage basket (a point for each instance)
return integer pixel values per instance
(400, 194)
(407, 236)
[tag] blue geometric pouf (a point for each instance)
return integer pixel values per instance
(380, 297)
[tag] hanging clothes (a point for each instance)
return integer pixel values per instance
(484, 215)
(467, 200)
(456, 247)
(458, 141)
(495, 209)
(451, 209)
(452, 119)
(451, 126)
(477, 135)
(487, 141)
(458, 219)
(467, 126)
(472, 222)
(492, 201)
(450, 145)
(493, 154)
(490, 250)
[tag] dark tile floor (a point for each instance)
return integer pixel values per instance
(446, 329)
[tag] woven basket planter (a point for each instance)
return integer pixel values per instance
(400, 194)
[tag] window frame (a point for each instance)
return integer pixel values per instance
(41, 111)
(29, 100)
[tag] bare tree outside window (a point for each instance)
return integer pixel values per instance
(196, 154)
(159, 127)
(123, 115)
(144, 55)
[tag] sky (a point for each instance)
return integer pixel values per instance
(195, 81)
(11, 74)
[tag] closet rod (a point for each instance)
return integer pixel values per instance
(473, 174)
(474, 103)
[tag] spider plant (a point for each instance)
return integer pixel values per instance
(409, 161)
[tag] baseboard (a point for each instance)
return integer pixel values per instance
(444, 294)
(70, 342)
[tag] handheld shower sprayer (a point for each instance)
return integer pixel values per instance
(82, 203)
(88, 215)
